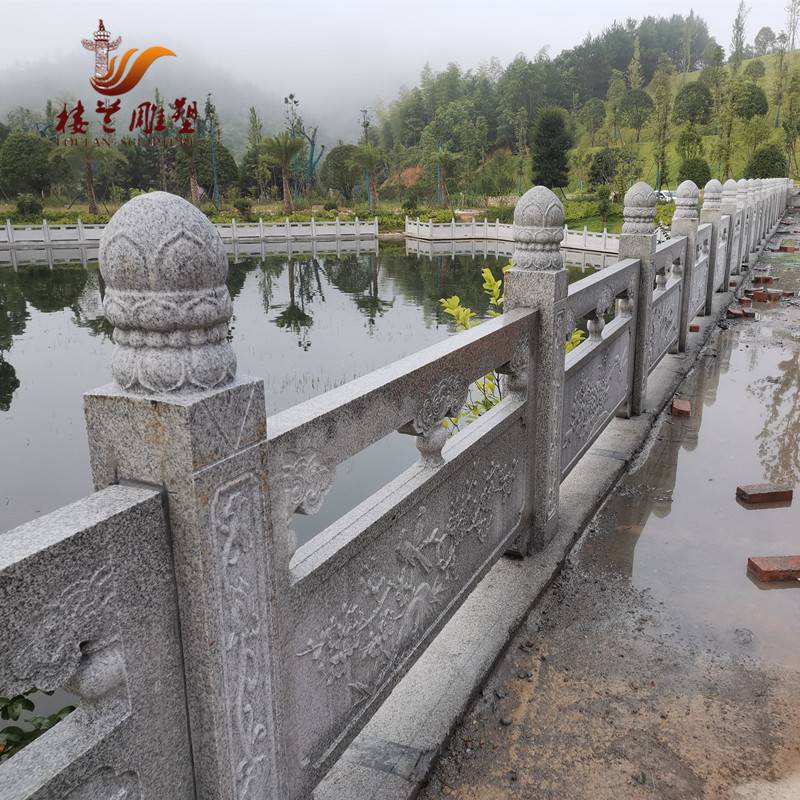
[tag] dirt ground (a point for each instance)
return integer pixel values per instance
(655, 667)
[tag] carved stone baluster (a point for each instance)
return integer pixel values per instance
(728, 206)
(178, 417)
(712, 212)
(638, 240)
(538, 280)
(445, 400)
(685, 223)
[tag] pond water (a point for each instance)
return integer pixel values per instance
(304, 324)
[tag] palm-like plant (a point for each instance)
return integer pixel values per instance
(84, 158)
(370, 159)
(280, 150)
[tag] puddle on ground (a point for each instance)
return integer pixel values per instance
(674, 525)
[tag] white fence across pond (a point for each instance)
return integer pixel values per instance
(21, 236)
(210, 656)
(604, 242)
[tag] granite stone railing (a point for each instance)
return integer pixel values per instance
(210, 656)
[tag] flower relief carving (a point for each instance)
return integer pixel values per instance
(106, 783)
(605, 301)
(445, 399)
(77, 623)
(394, 601)
(305, 480)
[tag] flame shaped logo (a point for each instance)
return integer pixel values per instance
(117, 81)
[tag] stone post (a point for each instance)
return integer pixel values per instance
(744, 207)
(753, 203)
(685, 223)
(538, 280)
(730, 208)
(638, 240)
(712, 212)
(177, 417)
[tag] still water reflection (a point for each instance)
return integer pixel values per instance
(304, 324)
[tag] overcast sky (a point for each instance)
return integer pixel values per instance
(337, 55)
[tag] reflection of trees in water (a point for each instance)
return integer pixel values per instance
(779, 439)
(357, 276)
(47, 291)
(427, 280)
(294, 316)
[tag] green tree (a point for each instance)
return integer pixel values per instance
(693, 104)
(196, 160)
(791, 116)
(635, 77)
(635, 109)
(661, 88)
(340, 172)
(603, 168)
(252, 177)
(695, 169)
(689, 144)
(755, 131)
(83, 160)
(25, 164)
(781, 75)
(749, 101)
(551, 143)
(764, 41)
(592, 116)
(767, 162)
(755, 70)
(371, 160)
(737, 37)
(614, 99)
(279, 151)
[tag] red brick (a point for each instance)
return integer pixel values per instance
(748, 313)
(774, 568)
(681, 408)
(732, 284)
(760, 297)
(735, 313)
(694, 328)
(774, 295)
(764, 493)
(745, 301)
(788, 294)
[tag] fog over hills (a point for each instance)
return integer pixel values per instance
(336, 57)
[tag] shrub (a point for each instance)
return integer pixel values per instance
(244, 205)
(767, 162)
(29, 205)
(695, 169)
(409, 204)
(209, 209)
(331, 205)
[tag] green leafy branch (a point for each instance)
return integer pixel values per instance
(487, 391)
(14, 737)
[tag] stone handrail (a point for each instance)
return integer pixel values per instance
(285, 653)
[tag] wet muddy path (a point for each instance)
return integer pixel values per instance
(655, 667)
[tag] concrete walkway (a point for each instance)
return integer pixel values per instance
(654, 667)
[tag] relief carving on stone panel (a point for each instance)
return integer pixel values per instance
(305, 480)
(596, 391)
(395, 603)
(108, 785)
(237, 527)
(553, 449)
(663, 331)
(699, 278)
(47, 651)
(446, 398)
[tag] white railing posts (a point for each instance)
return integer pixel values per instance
(638, 240)
(685, 223)
(538, 280)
